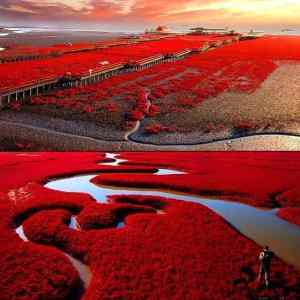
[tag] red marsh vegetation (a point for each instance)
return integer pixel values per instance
(184, 252)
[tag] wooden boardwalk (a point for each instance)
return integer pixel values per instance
(45, 85)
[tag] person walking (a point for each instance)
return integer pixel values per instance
(265, 258)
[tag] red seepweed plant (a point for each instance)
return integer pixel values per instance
(185, 251)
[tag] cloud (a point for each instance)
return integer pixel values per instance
(124, 12)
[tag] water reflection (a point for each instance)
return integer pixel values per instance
(260, 225)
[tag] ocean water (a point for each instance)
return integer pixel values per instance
(46, 36)
(179, 28)
(14, 32)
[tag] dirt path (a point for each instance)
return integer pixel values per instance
(136, 128)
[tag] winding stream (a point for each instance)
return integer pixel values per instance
(262, 226)
(83, 270)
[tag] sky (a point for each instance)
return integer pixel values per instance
(139, 14)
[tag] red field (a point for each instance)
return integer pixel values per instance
(78, 63)
(228, 91)
(174, 88)
(290, 214)
(188, 252)
(200, 77)
(221, 175)
(204, 97)
(196, 80)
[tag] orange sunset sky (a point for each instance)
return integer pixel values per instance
(137, 14)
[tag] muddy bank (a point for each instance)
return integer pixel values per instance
(62, 135)
(67, 142)
(75, 127)
(47, 37)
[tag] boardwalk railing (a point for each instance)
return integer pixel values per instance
(44, 85)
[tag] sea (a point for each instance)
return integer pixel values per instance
(14, 32)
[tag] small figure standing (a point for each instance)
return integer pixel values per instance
(265, 258)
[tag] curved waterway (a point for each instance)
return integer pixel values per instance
(260, 225)
(83, 270)
(117, 161)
